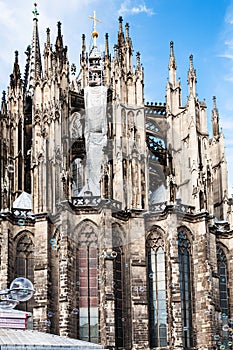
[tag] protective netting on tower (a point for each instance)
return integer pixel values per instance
(95, 133)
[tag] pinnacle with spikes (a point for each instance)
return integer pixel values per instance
(35, 11)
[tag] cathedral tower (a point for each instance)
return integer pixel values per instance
(117, 210)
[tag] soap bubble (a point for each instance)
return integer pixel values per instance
(21, 289)
(21, 222)
(10, 168)
(75, 311)
(207, 312)
(48, 323)
(53, 243)
(216, 337)
(225, 327)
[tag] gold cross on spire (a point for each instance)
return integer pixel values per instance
(94, 33)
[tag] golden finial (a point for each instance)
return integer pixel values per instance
(35, 11)
(94, 33)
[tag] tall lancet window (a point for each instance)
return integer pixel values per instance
(119, 287)
(185, 288)
(88, 284)
(24, 264)
(77, 175)
(118, 296)
(157, 292)
(222, 271)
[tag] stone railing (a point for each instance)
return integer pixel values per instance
(23, 213)
(96, 201)
(183, 208)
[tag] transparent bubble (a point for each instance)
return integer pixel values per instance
(230, 343)
(10, 168)
(225, 327)
(53, 243)
(216, 337)
(21, 289)
(207, 312)
(222, 347)
(75, 311)
(47, 323)
(21, 222)
(151, 275)
(231, 320)
(50, 314)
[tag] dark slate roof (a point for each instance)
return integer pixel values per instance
(32, 340)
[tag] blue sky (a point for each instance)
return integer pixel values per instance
(203, 28)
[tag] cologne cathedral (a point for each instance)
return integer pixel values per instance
(116, 209)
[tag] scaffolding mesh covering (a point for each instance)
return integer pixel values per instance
(95, 133)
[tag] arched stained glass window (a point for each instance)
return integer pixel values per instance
(185, 289)
(24, 265)
(222, 271)
(118, 295)
(25, 258)
(88, 285)
(157, 297)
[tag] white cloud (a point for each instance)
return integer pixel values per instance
(128, 8)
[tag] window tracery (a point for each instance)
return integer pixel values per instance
(184, 252)
(157, 290)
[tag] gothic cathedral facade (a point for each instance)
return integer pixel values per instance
(117, 210)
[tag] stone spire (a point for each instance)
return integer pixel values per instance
(59, 40)
(4, 104)
(121, 38)
(107, 63)
(172, 65)
(173, 90)
(48, 37)
(35, 66)
(192, 80)
(106, 46)
(15, 78)
(138, 61)
(83, 62)
(215, 118)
